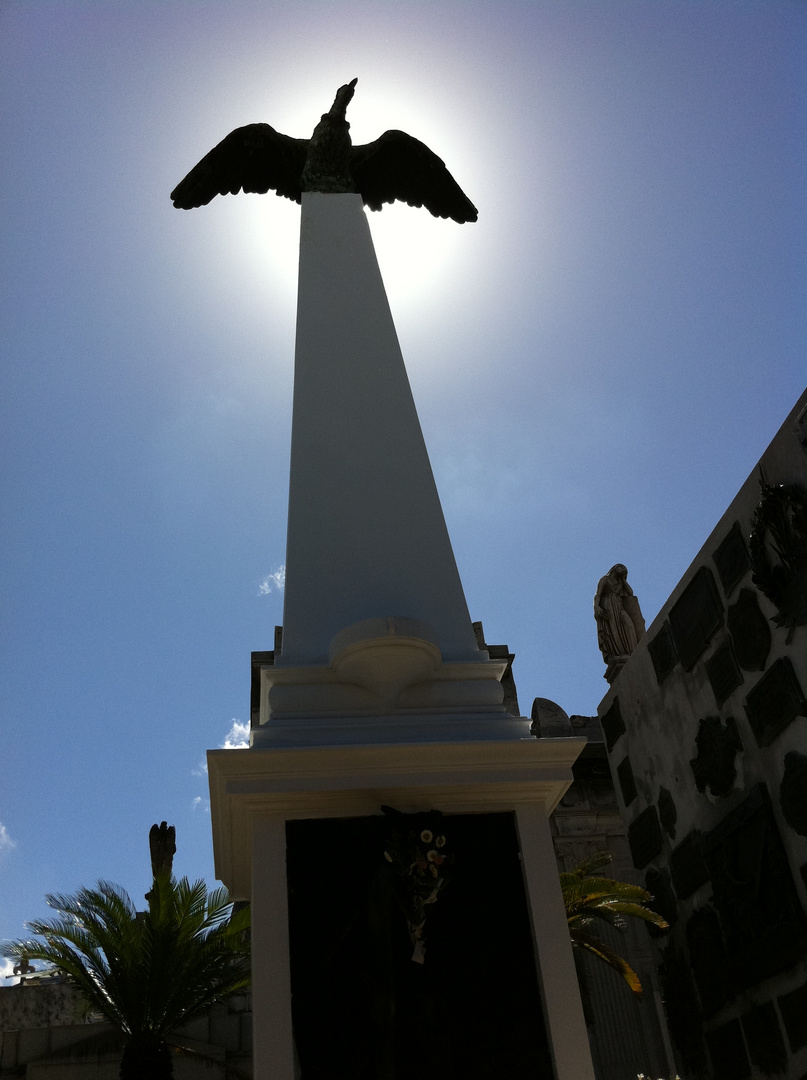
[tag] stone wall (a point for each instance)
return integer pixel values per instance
(46, 1033)
(706, 730)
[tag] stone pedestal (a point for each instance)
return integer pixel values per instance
(255, 792)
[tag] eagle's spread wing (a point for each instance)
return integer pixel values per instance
(396, 166)
(254, 158)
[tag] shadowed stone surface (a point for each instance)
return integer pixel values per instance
(612, 724)
(644, 837)
(689, 870)
(775, 702)
(750, 631)
(731, 558)
(717, 744)
(793, 792)
(662, 653)
(763, 1036)
(723, 673)
(696, 617)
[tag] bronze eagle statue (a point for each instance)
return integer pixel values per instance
(256, 158)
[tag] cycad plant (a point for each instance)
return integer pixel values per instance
(589, 896)
(145, 972)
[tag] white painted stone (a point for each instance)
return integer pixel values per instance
(379, 694)
(560, 994)
(272, 1036)
(366, 534)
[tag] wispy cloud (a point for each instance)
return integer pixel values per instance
(201, 804)
(274, 582)
(6, 843)
(237, 736)
(201, 769)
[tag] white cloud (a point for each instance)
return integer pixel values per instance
(237, 737)
(7, 976)
(200, 804)
(274, 581)
(6, 843)
(201, 769)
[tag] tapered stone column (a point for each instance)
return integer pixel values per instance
(366, 534)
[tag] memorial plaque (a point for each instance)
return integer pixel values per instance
(764, 926)
(612, 724)
(775, 701)
(793, 1010)
(763, 1037)
(750, 631)
(723, 672)
(727, 1051)
(717, 746)
(731, 558)
(696, 617)
(627, 783)
(793, 792)
(689, 870)
(644, 837)
(667, 813)
(659, 884)
(662, 653)
(683, 1013)
(707, 953)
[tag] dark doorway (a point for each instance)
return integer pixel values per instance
(363, 1010)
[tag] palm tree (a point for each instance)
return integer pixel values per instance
(588, 897)
(146, 972)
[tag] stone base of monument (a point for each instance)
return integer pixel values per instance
(386, 682)
(259, 799)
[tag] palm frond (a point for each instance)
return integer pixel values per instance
(146, 972)
(589, 896)
(591, 943)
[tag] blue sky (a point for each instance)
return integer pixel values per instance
(597, 364)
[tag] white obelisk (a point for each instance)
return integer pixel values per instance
(379, 693)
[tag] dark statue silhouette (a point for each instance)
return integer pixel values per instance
(256, 158)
